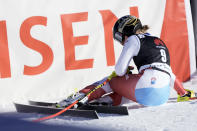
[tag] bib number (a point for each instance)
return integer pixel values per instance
(163, 55)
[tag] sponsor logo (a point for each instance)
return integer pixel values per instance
(153, 80)
(158, 42)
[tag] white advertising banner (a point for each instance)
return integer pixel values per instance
(48, 48)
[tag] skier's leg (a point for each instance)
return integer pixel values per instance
(183, 94)
(94, 95)
(125, 85)
(119, 100)
(177, 86)
(99, 92)
(113, 99)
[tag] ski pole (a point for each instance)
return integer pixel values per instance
(80, 99)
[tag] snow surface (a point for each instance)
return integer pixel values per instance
(171, 116)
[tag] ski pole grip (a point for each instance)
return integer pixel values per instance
(113, 74)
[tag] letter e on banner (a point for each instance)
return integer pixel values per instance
(70, 41)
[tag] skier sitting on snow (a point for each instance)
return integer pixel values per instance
(151, 87)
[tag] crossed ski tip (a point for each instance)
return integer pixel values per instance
(24, 108)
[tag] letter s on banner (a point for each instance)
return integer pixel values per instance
(36, 45)
(4, 52)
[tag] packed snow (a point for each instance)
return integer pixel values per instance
(172, 116)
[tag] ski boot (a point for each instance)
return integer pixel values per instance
(70, 99)
(103, 101)
(189, 95)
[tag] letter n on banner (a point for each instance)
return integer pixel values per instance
(109, 20)
(175, 35)
(134, 11)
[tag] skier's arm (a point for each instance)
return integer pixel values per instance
(130, 49)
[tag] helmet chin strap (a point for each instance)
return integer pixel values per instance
(119, 36)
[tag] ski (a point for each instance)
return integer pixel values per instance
(174, 100)
(121, 110)
(193, 98)
(23, 108)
